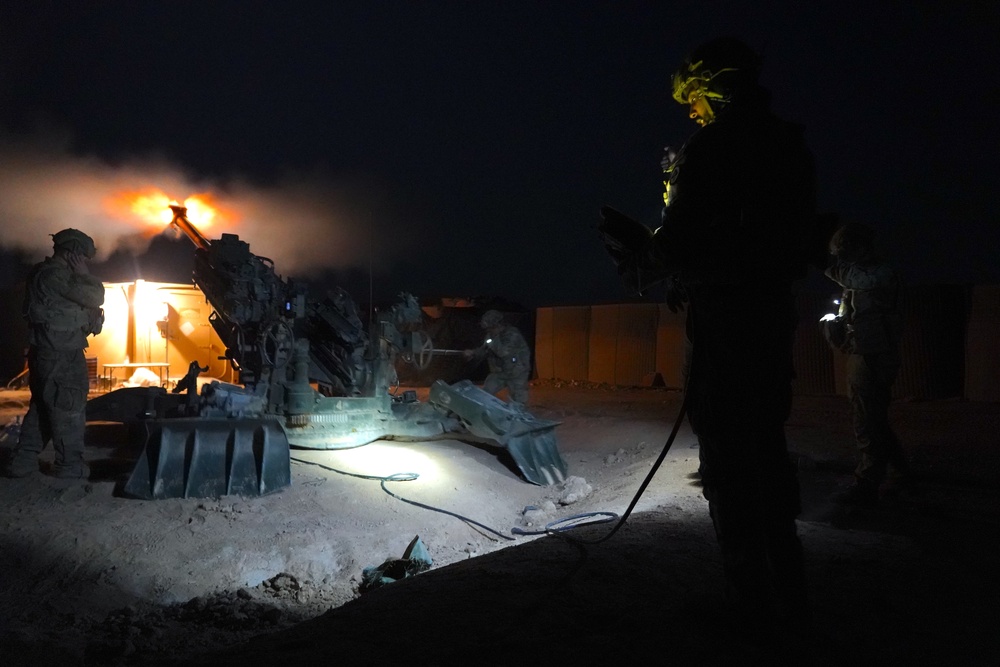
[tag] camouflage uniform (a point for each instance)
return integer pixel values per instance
(869, 307)
(62, 309)
(509, 362)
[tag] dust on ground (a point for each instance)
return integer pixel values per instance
(92, 578)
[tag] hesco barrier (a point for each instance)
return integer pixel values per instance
(812, 355)
(622, 344)
(933, 347)
(947, 348)
(562, 342)
(982, 365)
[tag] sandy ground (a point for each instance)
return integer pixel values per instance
(87, 577)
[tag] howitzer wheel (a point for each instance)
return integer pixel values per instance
(276, 342)
(423, 350)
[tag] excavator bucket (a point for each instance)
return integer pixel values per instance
(208, 458)
(530, 441)
(536, 456)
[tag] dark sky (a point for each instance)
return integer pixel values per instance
(465, 148)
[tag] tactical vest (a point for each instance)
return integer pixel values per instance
(43, 305)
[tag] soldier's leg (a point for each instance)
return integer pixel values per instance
(735, 509)
(517, 385)
(743, 554)
(753, 492)
(23, 458)
(35, 432)
(867, 400)
(886, 370)
(493, 383)
(782, 503)
(67, 406)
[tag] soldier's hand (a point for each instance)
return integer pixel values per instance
(675, 294)
(669, 157)
(78, 263)
(620, 233)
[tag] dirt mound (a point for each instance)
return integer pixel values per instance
(87, 577)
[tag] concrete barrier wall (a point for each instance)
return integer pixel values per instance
(932, 349)
(982, 337)
(603, 344)
(949, 337)
(812, 355)
(562, 340)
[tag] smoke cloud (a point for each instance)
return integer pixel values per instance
(306, 222)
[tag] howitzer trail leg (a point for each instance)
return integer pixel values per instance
(530, 441)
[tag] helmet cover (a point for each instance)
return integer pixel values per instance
(852, 240)
(491, 318)
(74, 240)
(715, 70)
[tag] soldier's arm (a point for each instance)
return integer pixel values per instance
(85, 290)
(854, 276)
(476, 353)
(512, 344)
(696, 231)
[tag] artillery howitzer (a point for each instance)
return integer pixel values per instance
(311, 377)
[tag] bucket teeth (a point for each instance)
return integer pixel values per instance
(530, 441)
(537, 457)
(208, 458)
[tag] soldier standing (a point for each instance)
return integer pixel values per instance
(62, 305)
(871, 326)
(508, 358)
(735, 235)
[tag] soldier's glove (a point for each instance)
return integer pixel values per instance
(669, 159)
(676, 294)
(834, 330)
(626, 241)
(96, 322)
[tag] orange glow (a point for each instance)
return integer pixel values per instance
(151, 209)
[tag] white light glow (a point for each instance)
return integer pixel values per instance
(829, 317)
(381, 459)
(149, 307)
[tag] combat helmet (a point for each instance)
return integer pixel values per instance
(715, 73)
(74, 240)
(852, 241)
(490, 319)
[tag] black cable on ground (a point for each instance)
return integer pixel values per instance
(405, 477)
(554, 527)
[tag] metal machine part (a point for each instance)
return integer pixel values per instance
(310, 376)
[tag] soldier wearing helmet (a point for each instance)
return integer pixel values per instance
(715, 76)
(872, 326)
(508, 358)
(735, 234)
(62, 305)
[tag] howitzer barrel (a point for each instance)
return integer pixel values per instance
(185, 225)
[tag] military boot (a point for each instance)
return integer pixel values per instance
(78, 470)
(20, 463)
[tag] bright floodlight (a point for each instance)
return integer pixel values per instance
(381, 459)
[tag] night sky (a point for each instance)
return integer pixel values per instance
(465, 148)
